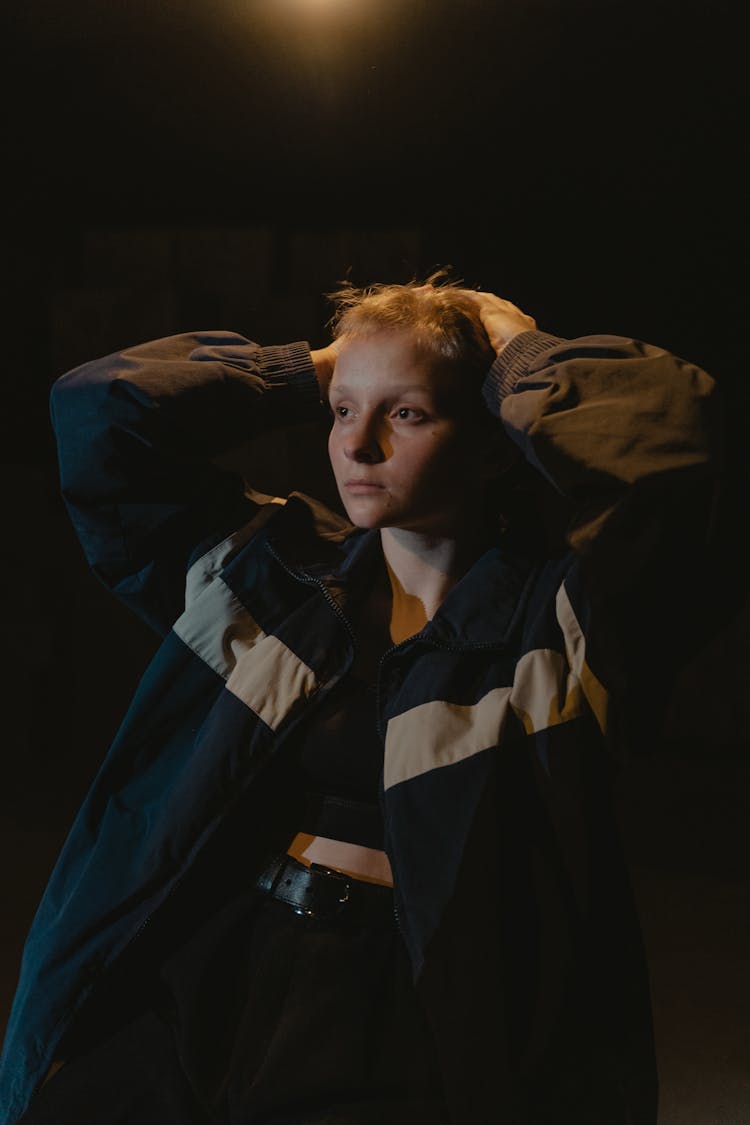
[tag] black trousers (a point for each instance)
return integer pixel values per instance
(264, 1016)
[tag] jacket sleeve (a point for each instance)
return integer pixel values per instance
(602, 417)
(138, 433)
(630, 439)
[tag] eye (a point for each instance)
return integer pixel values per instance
(409, 414)
(341, 412)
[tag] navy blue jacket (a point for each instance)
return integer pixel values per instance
(498, 719)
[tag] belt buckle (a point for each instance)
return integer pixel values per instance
(343, 900)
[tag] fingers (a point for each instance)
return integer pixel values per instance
(324, 362)
(501, 319)
(490, 302)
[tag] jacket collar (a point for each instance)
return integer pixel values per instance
(479, 612)
(482, 609)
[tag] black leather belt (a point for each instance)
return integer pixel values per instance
(320, 892)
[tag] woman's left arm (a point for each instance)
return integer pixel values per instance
(632, 438)
(609, 421)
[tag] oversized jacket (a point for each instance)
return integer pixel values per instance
(496, 718)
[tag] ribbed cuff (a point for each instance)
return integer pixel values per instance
(513, 363)
(290, 365)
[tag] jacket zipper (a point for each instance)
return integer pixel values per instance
(381, 732)
(381, 729)
(308, 580)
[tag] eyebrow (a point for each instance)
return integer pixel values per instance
(411, 388)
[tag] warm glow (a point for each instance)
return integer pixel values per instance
(277, 13)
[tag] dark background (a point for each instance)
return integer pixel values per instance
(182, 165)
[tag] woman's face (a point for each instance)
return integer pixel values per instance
(402, 447)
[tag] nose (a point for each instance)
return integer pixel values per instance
(364, 443)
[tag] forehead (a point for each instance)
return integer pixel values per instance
(387, 360)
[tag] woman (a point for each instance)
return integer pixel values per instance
(351, 856)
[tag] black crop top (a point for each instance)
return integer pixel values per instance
(340, 760)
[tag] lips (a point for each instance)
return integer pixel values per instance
(363, 486)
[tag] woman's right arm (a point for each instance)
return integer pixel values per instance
(137, 435)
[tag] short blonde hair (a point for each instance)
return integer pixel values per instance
(445, 322)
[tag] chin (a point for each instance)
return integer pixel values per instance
(367, 523)
(364, 514)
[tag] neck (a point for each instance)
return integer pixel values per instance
(424, 568)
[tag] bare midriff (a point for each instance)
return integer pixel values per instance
(368, 864)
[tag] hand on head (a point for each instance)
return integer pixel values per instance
(502, 320)
(324, 361)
